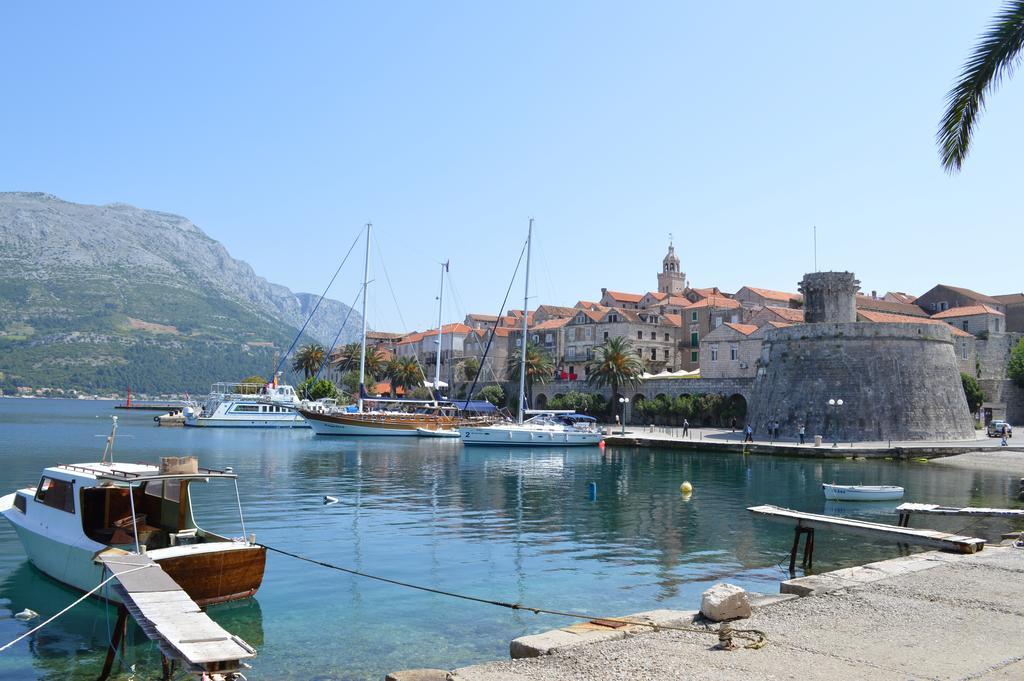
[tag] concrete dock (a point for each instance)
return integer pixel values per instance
(930, 615)
(725, 440)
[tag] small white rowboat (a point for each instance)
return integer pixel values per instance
(862, 492)
(440, 432)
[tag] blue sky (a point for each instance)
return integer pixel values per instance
(280, 128)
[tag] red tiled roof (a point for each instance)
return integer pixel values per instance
(1010, 298)
(557, 310)
(967, 311)
(777, 325)
(482, 317)
(901, 297)
(790, 314)
(887, 318)
(716, 302)
(705, 292)
(673, 319)
(587, 304)
(594, 315)
(657, 295)
(551, 324)
(968, 293)
(773, 295)
(624, 297)
(745, 329)
(909, 309)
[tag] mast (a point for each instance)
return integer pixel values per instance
(526, 307)
(362, 345)
(440, 302)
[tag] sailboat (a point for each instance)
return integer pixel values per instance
(368, 419)
(545, 427)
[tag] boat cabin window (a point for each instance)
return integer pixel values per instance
(246, 407)
(55, 493)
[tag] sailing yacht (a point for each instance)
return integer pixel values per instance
(372, 416)
(546, 427)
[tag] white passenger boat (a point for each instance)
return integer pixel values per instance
(79, 511)
(247, 405)
(862, 492)
(548, 427)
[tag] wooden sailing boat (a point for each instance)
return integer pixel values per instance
(388, 420)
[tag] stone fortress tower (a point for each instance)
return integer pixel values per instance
(897, 381)
(670, 279)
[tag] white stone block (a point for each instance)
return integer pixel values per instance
(724, 602)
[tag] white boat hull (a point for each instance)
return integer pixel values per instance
(862, 492)
(526, 437)
(281, 421)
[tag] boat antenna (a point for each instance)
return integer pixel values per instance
(526, 325)
(362, 344)
(108, 449)
(440, 333)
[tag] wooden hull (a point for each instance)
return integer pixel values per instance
(377, 423)
(218, 577)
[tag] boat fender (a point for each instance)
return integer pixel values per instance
(26, 615)
(686, 487)
(330, 500)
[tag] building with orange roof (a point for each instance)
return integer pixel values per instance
(771, 313)
(423, 346)
(623, 301)
(1013, 306)
(653, 335)
(943, 297)
(730, 351)
(755, 298)
(975, 319)
(881, 305)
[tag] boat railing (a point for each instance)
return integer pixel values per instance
(133, 475)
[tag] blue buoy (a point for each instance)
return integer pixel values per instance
(593, 491)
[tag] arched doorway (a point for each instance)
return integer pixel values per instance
(541, 401)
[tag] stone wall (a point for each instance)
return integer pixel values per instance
(1005, 391)
(897, 381)
(829, 297)
(670, 387)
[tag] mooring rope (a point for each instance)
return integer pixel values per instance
(86, 595)
(758, 639)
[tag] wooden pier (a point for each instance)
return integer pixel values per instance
(183, 632)
(908, 509)
(806, 523)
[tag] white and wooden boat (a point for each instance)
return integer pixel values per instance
(247, 405)
(835, 492)
(78, 512)
(438, 432)
(548, 427)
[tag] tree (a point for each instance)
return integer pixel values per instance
(1015, 368)
(251, 385)
(309, 359)
(346, 357)
(493, 394)
(539, 367)
(995, 56)
(972, 391)
(315, 389)
(470, 368)
(404, 373)
(615, 364)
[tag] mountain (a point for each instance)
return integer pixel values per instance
(100, 297)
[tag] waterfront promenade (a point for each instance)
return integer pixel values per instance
(717, 439)
(928, 616)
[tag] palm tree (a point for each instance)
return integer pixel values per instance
(539, 367)
(995, 56)
(309, 359)
(615, 364)
(346, 357)
(403, 372)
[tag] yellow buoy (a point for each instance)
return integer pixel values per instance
(686, 487)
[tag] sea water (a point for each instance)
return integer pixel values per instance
(514, 525)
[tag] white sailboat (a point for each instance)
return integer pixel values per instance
(547, 427)
(367, 420)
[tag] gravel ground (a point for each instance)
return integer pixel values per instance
(963, 619)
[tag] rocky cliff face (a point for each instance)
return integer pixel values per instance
(109, 278)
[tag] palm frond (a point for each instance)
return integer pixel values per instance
(994, 57)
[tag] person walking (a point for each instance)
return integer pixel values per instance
(749, 434)
(686, 428)
(1004, 430)
(803, 432)
(734, 424)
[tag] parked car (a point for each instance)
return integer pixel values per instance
(995, 429)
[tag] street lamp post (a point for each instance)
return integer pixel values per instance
(623, 401)
(835, 404)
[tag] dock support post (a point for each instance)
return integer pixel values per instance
(115, 642)
(808, 548)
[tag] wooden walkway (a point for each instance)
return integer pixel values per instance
(805, 523)
(172, 619)
(908, 509)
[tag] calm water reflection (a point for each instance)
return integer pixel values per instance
(515, 525)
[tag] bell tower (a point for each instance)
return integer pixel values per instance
(670, 279)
